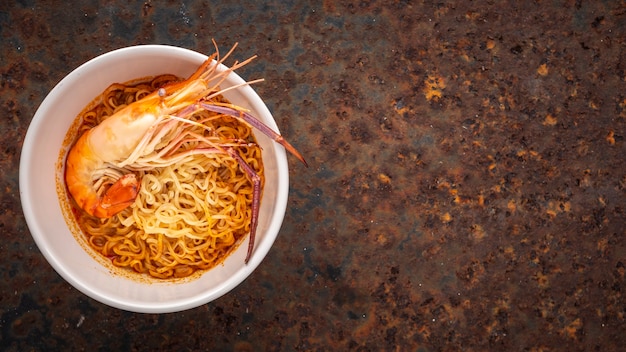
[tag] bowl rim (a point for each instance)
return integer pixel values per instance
(28, 199)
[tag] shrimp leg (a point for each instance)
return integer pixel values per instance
(256, 197)
(252, 175)
(250, 120)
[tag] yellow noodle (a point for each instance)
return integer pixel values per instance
(187, 215)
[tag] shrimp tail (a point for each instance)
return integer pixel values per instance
(119, 196)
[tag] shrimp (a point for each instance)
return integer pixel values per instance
(128, 139)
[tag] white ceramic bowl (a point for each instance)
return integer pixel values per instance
(40, 173)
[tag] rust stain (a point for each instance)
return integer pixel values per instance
(478, 232)
(542, 280)
(433, 87)
(543, 70)
(384, 178)
(572, 329)
(555, 208)
(610, 137)
(511, 206)
(549, 120)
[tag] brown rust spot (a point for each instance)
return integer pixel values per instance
(433, 87)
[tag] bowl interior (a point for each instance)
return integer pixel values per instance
(41, 175)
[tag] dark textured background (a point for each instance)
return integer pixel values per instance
(466, 187)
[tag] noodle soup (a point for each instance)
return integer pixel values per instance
(187, 216)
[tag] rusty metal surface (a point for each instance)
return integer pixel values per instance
(466, 188)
